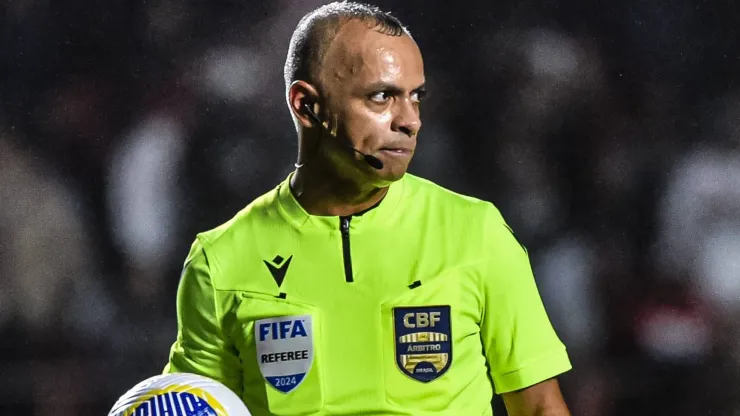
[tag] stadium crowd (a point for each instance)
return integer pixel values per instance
(608, 134)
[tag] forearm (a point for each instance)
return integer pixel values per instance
(543, 399)
(551, 411)
(540, 411)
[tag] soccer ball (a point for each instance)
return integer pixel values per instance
(179, 394)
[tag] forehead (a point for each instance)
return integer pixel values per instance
(360, 56)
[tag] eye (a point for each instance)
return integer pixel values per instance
(417, 96)
(380, 97)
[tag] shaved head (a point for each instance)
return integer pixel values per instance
(317, 31)
(358, 72)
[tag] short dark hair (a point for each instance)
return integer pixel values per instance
(317, 30)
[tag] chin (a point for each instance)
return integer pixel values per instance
(387, 177)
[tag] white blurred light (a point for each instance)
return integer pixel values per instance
(675, 336)
(718, 266)
(143, 194)
(233, 73)
(703, 195)
(566, 276)
(552, 54)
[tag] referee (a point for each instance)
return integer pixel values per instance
(353, 287)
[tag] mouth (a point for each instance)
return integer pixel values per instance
(396, 151)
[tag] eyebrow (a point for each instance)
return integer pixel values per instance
(395, 89)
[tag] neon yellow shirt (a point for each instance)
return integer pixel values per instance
(411, 308)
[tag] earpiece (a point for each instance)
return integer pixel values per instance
(312, 114)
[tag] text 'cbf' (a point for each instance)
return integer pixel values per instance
(421, 319)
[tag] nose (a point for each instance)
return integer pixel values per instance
(407, 120)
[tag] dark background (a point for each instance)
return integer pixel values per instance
(607, 133)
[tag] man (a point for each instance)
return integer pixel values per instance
(353, 287)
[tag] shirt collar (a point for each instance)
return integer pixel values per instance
(292, 210)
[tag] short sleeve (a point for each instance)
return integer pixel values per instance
(201, 346)
(520, 344)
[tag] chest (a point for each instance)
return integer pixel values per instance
(339, 348)
(327, 322)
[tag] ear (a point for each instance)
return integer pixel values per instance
(301, 93)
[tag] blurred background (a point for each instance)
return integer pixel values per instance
(607, 133)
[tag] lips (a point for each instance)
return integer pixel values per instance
(396, 153)
(396, 150)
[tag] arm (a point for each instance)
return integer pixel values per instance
(521, 347)
(542, 399)
(201, 346)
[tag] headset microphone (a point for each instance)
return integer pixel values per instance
(371, 160)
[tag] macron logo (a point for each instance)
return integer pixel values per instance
(278, 268)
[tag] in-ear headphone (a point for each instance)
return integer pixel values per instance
(311, 114)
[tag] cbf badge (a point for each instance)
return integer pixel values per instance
(423, 341)
(284, 350)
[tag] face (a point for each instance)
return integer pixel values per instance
(373, 84)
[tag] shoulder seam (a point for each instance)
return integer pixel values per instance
(489, 216)
(211, 271)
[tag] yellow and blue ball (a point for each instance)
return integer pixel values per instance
(179, 394)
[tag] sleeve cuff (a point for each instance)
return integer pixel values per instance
(533, 372)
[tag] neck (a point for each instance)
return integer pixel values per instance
(324, 193)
